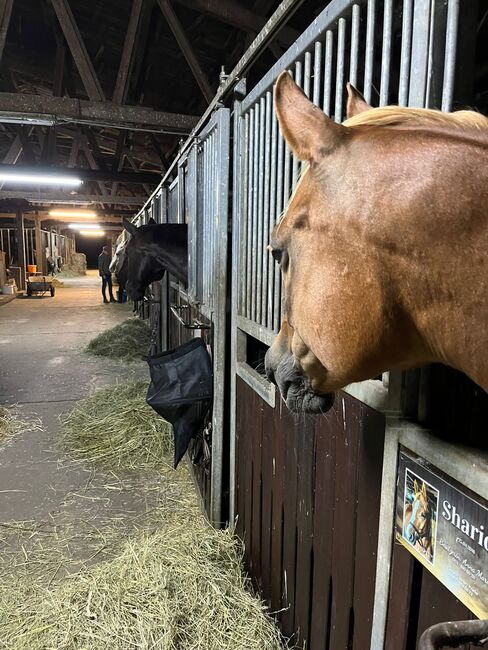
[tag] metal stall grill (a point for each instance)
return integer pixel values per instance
(394, 52)
(199, 196)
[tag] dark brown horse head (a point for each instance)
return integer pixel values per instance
(152, 250)
(373, 245)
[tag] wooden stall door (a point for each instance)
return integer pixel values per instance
(307, 502)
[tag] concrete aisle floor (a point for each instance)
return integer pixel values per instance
(43, 370)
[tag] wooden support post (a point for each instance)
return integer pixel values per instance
(40, 252)
(186, 48)
(20, 238)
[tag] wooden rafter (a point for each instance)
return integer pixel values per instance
(186, 48)
(5, 13)
(78, 50)
(127, 58)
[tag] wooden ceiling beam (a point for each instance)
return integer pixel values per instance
(78, 50)
(23, 108)
(186, 48)
(75, 199)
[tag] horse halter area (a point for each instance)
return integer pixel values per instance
(350, 520)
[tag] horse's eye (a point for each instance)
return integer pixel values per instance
(277, 254)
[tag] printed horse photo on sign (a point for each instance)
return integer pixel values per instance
(153, 249)
(420, 515)
(383, 246)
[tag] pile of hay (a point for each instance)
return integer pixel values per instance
(116, 428)
(128, 341)
(12, 423)
(179, 588)
(172, 582)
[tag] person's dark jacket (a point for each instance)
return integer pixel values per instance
(104, 260)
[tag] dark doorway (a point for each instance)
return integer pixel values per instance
(92, 247)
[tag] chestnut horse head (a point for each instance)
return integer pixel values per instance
(383, 246)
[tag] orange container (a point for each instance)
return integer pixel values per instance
(31, 268)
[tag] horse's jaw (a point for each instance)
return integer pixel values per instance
(295, 387)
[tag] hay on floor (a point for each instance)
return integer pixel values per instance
(173, 583)
(179, 588)
(128, 341)
(115, 427)
(12, 422)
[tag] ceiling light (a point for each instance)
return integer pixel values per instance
(40, 179)
(73, 213)
(92, 233)
(86, 226)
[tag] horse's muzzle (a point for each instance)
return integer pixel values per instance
(295, 387)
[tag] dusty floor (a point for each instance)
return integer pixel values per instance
(43, 370)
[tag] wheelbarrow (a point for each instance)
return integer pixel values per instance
(38, 284)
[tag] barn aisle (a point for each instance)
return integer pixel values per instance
(44, 371)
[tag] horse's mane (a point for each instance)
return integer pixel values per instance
(400, 116)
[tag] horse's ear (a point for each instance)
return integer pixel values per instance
(355, 101)
(131, 229)
(151, 222)
(415, 486)
(309, 133)
(424, 489)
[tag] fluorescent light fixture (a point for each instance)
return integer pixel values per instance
(40, 179)
(73, 213)
(92, 233)
(86, 226)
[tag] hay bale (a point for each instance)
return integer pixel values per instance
(128, 341)
(76, 265)
(116, 428)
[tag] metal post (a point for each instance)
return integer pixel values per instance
(40, 253)
(20, 238)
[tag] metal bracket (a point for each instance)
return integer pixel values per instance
(189, 325)
(454, 634)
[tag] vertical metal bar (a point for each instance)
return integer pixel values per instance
(243, 218)
(262, 179)
(280, 202)
(191, 204)
(450, 57)
(419, 53)
(353, 63)
(341, 44)
(386, 52)
(329, 53)
(206, 234)
(272, 216)
(237, 260)
(295, 164)
(250, 181)
(255, 212)
(405, 52)
(307, 74)
(220, 144)
(265, 213)
(369, 53)
(317, 69)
